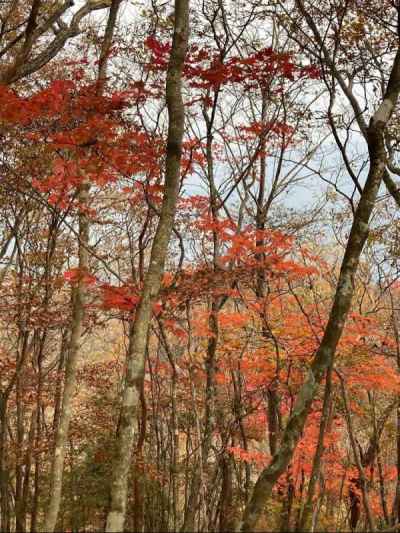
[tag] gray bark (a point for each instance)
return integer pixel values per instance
(78, 312)
(57, 467)
(152, 282)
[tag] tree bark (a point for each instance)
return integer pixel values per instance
(306, 516)
(152, 282)
(362, 481)
(78, 312)
(57, 467)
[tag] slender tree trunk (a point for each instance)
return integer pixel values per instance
(36, 484)
(263, 206)
(362, 481)
(382, 490)
(152, 282)
(287, 506)
(57, 467)
(306, 516)
(28, 466)
(59, 382)
(138, 518)
(4, 474)
(78, 304)
(18, 456)
(210, 362)
(341, 305)
(395, 513)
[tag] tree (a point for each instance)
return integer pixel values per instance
(341, 304)
(152, 281)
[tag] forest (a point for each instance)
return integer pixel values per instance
(199, 265)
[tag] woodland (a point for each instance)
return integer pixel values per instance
(199, 265)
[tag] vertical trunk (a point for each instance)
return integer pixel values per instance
(361, 482)
(226, 509)
(396, 502)
(138, 519)
(395, 515)
(173, 428)
(57, 467)
(18, 457)
(27, 474)
(59, 383)
(306, 517)
(236, 377)
(287, 504)
(4, 491)
(382, 490)
(262, 207)
(152, 282)
(340, 308)
(36, 484)
(198, 487)
(64, 415)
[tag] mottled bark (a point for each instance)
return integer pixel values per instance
(152, 282)
(57, 467)
(341, 305)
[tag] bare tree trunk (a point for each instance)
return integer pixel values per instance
(152, 282)
(28, 466)
(306, 516)
(59, 382)
(4, 474)
(395, 513)
(39, 425)
(341, 305)
(362, 484)
(78, 305)
(19, 523)
(226, 506)
(57, 467)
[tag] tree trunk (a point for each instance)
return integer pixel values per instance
(306, 516)
(152, 282)
(57, 467)
(361, 481)
(78, 305)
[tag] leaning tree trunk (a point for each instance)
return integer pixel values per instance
(341, 305)
(152, 282)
